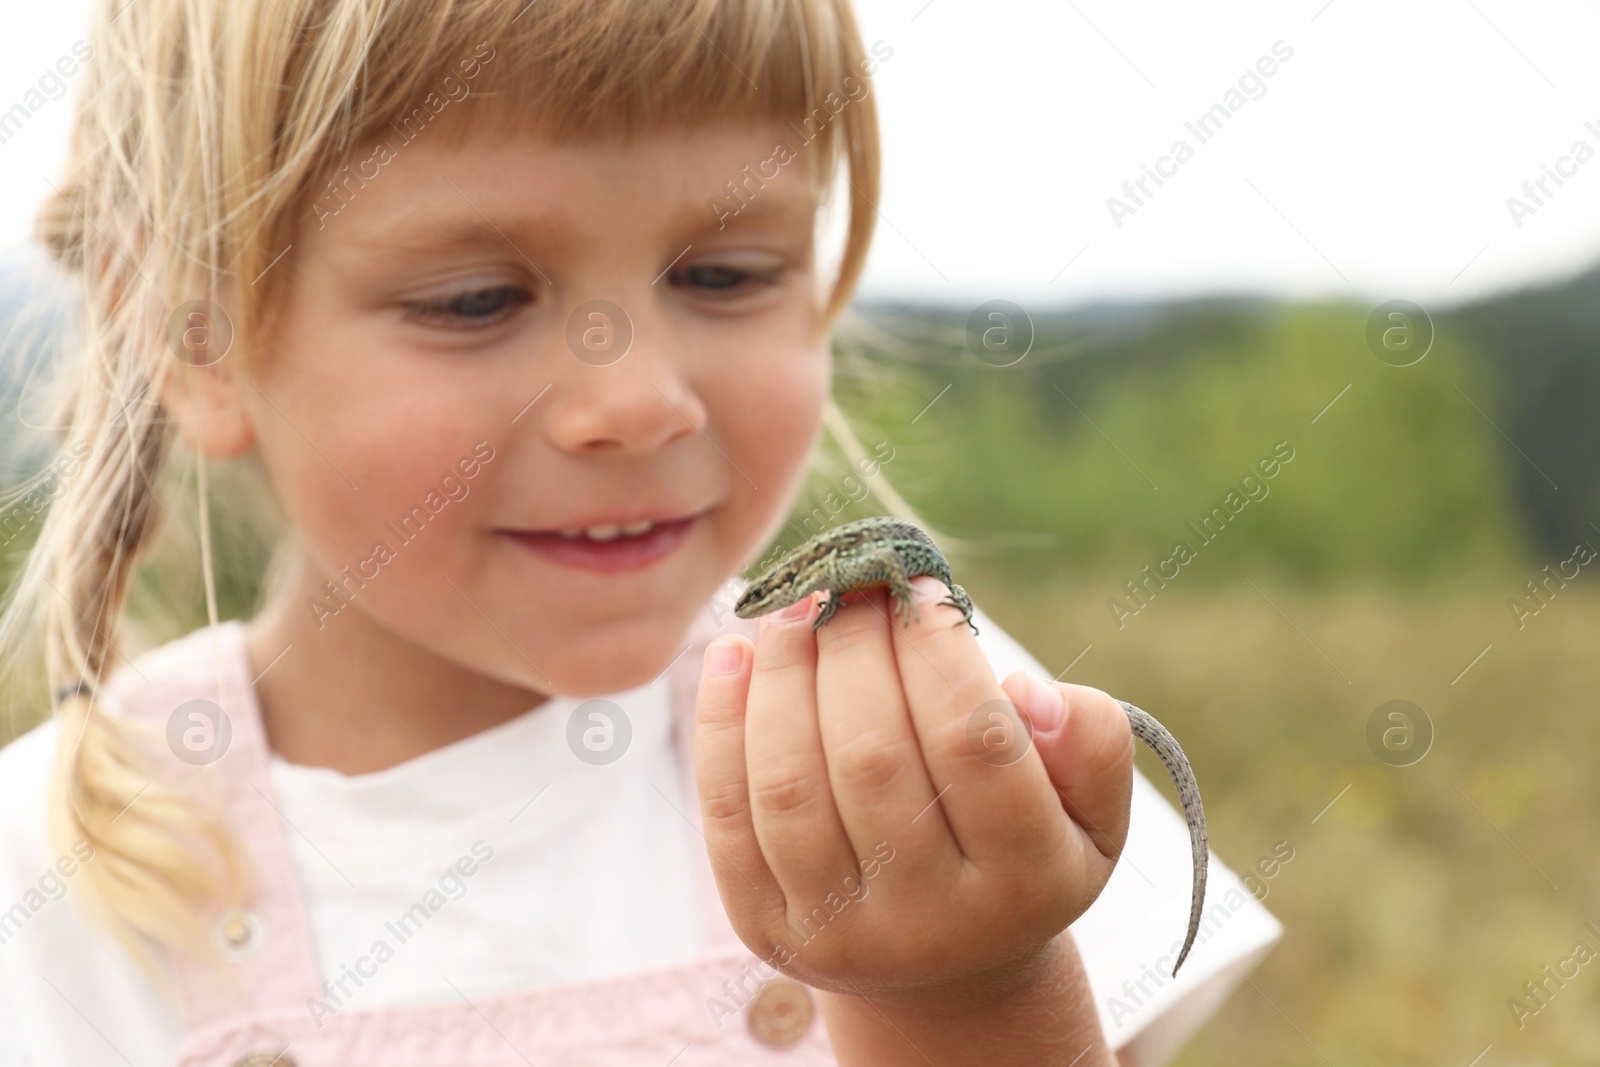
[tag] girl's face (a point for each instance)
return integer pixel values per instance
(490, 338)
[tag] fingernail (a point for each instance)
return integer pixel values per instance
(724, 657)
(1046, 706)
(925, 587)
(798, 610)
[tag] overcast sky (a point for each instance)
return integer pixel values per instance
(1375, 161)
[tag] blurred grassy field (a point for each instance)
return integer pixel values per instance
(1422, 899)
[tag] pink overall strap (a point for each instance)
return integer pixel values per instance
(717, 1010)
(269, 945)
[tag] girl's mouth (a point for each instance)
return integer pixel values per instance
(608, 550)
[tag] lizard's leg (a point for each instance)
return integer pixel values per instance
(959, 599)
(829, 606)
(899, 583)
(900, 586)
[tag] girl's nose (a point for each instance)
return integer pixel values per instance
(620, 381)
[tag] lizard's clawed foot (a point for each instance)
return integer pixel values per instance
(959, 600)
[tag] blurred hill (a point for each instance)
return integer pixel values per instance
(1543, 345)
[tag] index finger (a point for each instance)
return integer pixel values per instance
(744, 880)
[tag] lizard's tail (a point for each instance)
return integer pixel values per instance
(1164, 745)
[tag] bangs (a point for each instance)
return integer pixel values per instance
(575, 70)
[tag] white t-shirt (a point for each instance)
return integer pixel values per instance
(589, 877)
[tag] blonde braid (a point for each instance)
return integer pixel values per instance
(149, 839)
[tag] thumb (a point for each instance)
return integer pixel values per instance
(1083, 736)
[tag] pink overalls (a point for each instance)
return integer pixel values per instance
(723, 1009)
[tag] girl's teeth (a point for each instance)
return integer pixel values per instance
(609, 531)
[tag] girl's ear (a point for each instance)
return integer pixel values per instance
(201, 388)
(191, 376)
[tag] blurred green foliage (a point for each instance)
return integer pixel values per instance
(1422, 900)
(1102, 451)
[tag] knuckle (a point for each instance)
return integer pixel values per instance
(783, 790)
(782, 649)
(724, 805)
(849, 630)
(869, 762)
(954, 739)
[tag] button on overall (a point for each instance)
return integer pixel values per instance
(239, 935)
(781, 1013)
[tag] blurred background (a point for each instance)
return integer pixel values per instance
(1295, 447)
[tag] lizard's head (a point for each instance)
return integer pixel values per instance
(767, 593)
(774, 588)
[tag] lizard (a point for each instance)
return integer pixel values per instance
(887, 552)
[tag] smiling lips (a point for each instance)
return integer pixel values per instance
(608, 547)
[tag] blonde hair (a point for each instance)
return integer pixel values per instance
(204, 126)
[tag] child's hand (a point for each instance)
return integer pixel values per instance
(818, 766)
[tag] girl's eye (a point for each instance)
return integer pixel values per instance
(469, 309)
(714, 278)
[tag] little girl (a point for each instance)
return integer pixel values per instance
(522, 311)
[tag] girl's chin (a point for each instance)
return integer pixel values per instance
(608, 659)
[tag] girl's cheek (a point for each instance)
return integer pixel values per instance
(776, 415)
(780, 408)
(370, 467)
